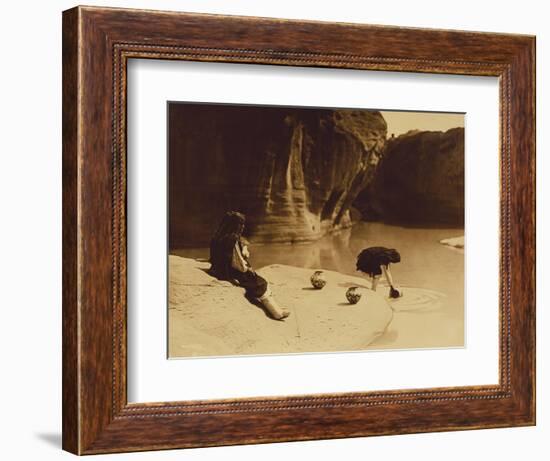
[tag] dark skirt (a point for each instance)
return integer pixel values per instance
(254, 284)
(221, 253)
(371, 260)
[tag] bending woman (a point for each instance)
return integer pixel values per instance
(375, 260)
(229, 260)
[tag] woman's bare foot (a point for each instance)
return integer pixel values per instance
(284, 314)
(276, 312)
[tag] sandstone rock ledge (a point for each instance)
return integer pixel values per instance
(208, 317)
(455, 242)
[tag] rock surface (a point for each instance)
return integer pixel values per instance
(208, 317)
(294, 172)
(454, 242)
(420, 179)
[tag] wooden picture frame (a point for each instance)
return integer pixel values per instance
(97, 43)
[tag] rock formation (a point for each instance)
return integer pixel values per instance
(294, 172)
(454, 242)
(419, 180)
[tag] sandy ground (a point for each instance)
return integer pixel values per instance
(208, 317)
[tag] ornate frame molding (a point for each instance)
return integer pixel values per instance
(97, 43)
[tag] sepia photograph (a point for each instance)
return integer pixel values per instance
(298, 230)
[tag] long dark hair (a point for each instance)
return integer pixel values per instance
(232, 224)
(228, 233)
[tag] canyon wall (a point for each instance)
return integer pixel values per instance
(420, 180)
(294, 172)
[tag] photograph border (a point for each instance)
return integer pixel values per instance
(97, 44)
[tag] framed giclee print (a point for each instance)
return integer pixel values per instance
(281, 230)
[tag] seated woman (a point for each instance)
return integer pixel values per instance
(229, 260)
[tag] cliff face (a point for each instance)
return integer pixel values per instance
(293, 172)
(419, 180)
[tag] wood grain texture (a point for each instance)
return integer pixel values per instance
(70, 383)
(97, 42)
